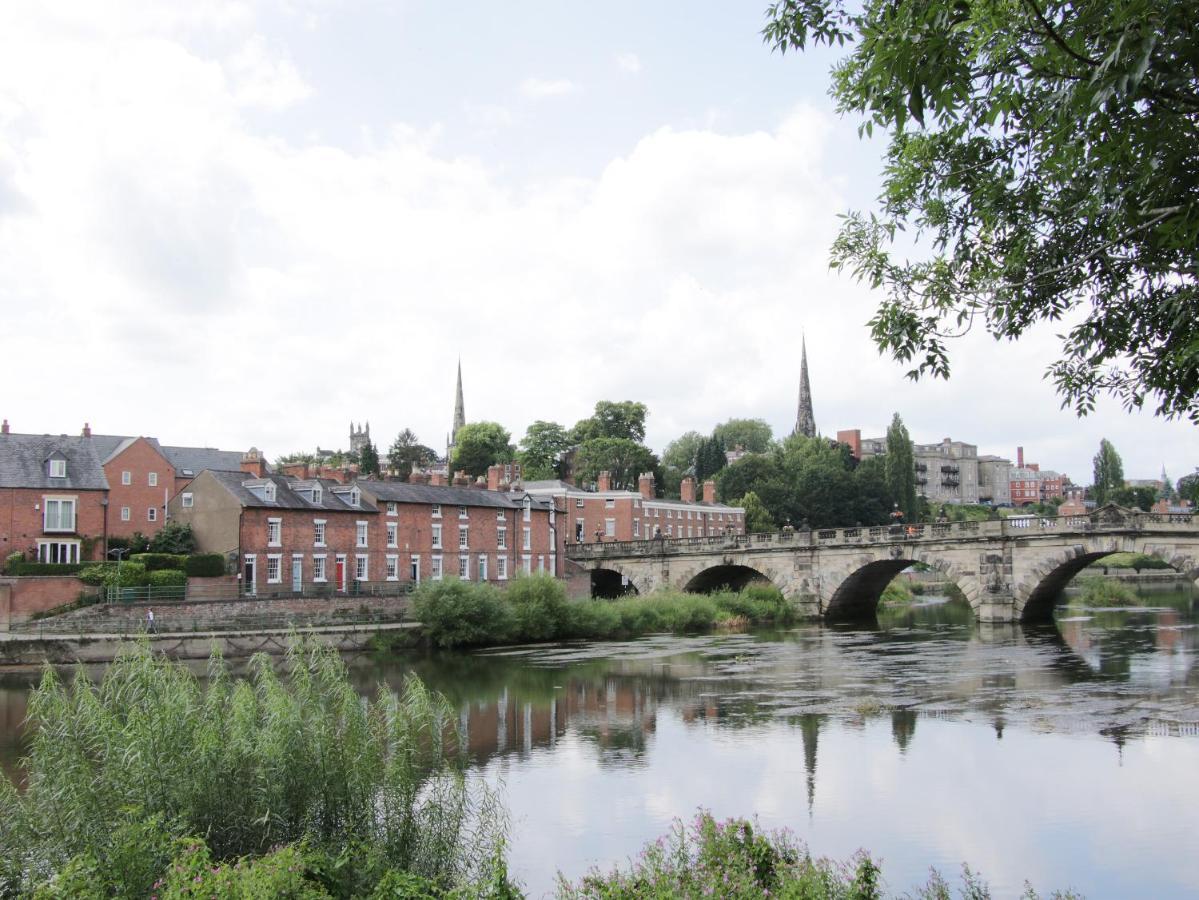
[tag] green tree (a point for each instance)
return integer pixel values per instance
(757, 517)
(624, 419)
(677, 459)
(709, 458)
(872, 497)
(479, 445)
(1141, 498)
(1109, 473)
(752, 435)
(406, 453)
(623, 458)
(368, 459)
(1188, 488)
(900, 466)
(541, 449)
(1047, 151)
(174, 537)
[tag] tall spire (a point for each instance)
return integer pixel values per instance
(459, 406)
(805, 422)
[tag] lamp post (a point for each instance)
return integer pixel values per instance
(119, 553)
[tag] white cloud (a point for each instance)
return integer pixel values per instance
(542, 88)
(262, 81)
(628, 62)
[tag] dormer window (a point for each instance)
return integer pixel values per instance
(268, 491)
(317, 494)
(355, 497)
(58, 468)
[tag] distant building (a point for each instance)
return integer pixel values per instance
(805, 421)
(994, 480)
(947, 472)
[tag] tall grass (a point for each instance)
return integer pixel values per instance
(536, 608)
(1100, 591)
(119, 771)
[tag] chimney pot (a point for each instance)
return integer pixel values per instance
(4, 427)
(604, 482)
(645, 485)
(687, 490)
(87, 429)
(709, 491)
(495, 475)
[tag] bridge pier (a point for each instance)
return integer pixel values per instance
(996, 608)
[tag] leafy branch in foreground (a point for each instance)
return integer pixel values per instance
(153, 752)
(1049, 152)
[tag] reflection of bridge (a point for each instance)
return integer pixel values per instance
(1009, 570)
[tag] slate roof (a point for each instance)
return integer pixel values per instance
(449, 495)
(285, 497)
(573, 491)
(197, 459)
(23, 462)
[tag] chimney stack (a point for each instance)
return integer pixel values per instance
(494, 477)
(709, 491)
(4, 427)
(1019, 457)
(296, 470)
(437, 479)
(645, 485)
(687, 490)
(87, 429)
(605, 481)
(461, 479)
(253, 464)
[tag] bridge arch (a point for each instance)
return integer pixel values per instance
(732, 576)
(1036, 599)
(608, 583)
(856, 595)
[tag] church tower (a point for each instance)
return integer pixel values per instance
(805, 422)
(459, 418)
(359, 437)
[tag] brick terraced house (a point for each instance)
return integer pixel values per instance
(53, 498)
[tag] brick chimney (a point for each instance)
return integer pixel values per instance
(604, 483)
(645, 485)
(437, 479)
(495, 475)
(4, 427)
(87, 429)
(253, 464)
(709, 491)
(1019, 457)
(296, 470)
(479, 483)
(461, 479)
(687, 490)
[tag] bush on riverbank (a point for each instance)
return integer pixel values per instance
(535, 608)
(120, 771)
(1100, 591)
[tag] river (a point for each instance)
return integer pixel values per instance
(1065, 756)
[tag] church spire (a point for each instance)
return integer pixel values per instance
(459, 406)
(805, 422)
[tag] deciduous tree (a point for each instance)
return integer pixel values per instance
(1109, 473)
(624, 419)
(752, 435)
(407, 452)
(541, 450)
(479, 445)
(1047, 152)
(900, 467)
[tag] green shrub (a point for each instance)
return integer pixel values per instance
(157, 562)
(204, 565)
(166, 578)
(896, 591)
(118, 772)
(540, 610)
(174, 537)
(39, 568)
(462, 614)
(126, 574)
(97, 573)
(1100, 591)
(593, 619)
(12, 561)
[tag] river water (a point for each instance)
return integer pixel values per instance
(1065, 756)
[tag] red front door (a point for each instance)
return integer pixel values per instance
(341, 574)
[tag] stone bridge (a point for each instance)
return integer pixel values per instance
(1010, 570)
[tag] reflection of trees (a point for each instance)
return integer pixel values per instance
(903, 727)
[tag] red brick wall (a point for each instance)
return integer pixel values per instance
(297, 535)
(20, 598)
(139, 459)
(22, 517)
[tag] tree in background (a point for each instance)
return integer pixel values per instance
(1141, 498)
(709, 458)
(1047, 150)
(677, 459)
(541, 449)
(757, 517)
(751, 435)
(174, 537)
(479, 445)
(407, 453)
(623, 458)
(900, 469)
(368, 459)
(624, 419)
(1188, 488)
(1109, 473)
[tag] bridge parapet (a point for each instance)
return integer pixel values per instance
(1107, 519)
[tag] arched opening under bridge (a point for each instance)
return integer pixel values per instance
(1050, 591)
(608, 584)
(724, 577)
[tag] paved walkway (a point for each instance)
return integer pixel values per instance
(352, 628)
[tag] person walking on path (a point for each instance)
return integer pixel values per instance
(150, 622)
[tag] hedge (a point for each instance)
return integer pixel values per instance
(167, 578)
(204, 565)
(156, 562)
(36, 568)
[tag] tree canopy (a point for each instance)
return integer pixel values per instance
(611, 419)
(541, 449)
(677, 459)
(1109, 473)
(478, 445)
(1047, 152)
(900, 467)
(623, 458)
(368, 459)
(407, 452)
(751, 435)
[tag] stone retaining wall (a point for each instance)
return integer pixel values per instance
(21, 597)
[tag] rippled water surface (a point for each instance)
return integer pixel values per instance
(1066, 756)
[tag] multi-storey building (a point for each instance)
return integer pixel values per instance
(994, 480)
(1029, 484)
(947, 472)
(53, 498)
(288, 534)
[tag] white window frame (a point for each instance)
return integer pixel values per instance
(251, 589)
(464, 566)
(436, 568)
(414, 567)
(501, 538)
(319, 572)
(527, 512)
(151, 513)
(318, 495)
(501, 516)
(540, 562)
(393, 508)
(526, 563)
(58, 507)
(188, 500)
(361, 533)
(277, 560)
(58, 468)
(393, 567)
(274, 532)
(463, 512)
(527, 539)
(126, 477)
(501, 567)
(436, 537)
(580, 503)
(355, 497)
(636, 528)
(126, 514)
(45, 554)
(610, 503)
(362, 567)
(152, 478)
(436, 511)
(393, 534)
(319, 529)
(268, 491)
(609, 528)
(463, 537)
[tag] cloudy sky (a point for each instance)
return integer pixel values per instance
(229, 223)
